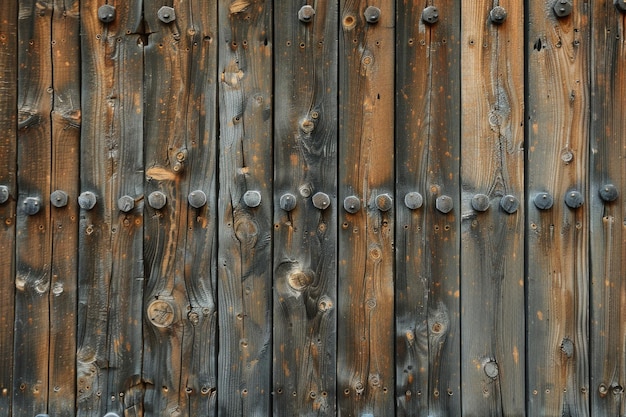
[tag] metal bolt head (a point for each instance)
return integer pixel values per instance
(157, 200)
(608, 193)
(321, 201)
(620, 4)
(196, 198)
(306, 13)
(166, 14)
(480, 202)
(87, 200)
(574, 199)
(126, 203)
(444, 204)
(430, 15)
(509, 204)
(252, 198)
(106, 13)
(543, 201)
(4, 194)
(562, 8)
(497, 15)
(287, 201)
(58, 198)
(384, 202)
(31, 205)
(352, 204)
(413, 200)
(372, 14)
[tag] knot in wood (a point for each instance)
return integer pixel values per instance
(567, 347)
(491, 369)
(299, 280)
(324, 304)
(160, 313)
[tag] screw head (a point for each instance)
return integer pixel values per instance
(106, 13)
(196, 198)
(252, 198)
(430, 15)
(608, 193)
(321, 201)
(306, 13)
(126, 203)
(509, 204)
(480, 202)
(384, 202)
(32, 205)
(620, 5)
(562, 8)
(444, 204)
(287, 201)
(166, 14)
(497, 15)
(58, 198)
(4, 194)
(543, 201)
(413, 200)
(87, 200)
(372, 14)
(352, 204)
(157, 200)
(574, 199)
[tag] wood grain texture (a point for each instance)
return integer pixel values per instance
(179, 316)
(608, 218)
(34, 231)
(365, 301)
(109, 357)
(557, 239)
(245, 229)
(305, 238)
(492, 242)
(66, 119)
(8, 178)
(427, 242)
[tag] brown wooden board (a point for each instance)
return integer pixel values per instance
(427, 240)
(33, 228)
(557, 261)
(66, 119)
(179, 140)
(305, 235)
(492, 224)
(608, 211)
(365, 301)
(8, 168)
(109, 358)
(245, 208)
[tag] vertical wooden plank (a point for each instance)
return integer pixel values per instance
(110, 238)
(365, 353)
(34, 234)
(245, 207)
(608, 210)
(427, 243)
(66, 118)
(180, 320)
(492, 225)
(8, 196)
(558, 237)
(305, 209)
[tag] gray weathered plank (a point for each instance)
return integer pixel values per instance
(305, 236)
(427, 242)
(245, 207)
(557, 261)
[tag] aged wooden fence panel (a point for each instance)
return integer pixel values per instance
(296, 208)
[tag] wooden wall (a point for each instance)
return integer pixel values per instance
(313, 208)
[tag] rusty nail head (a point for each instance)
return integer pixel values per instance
(430, 15)
(306, 13)
(413, 200)
(562, 8)
(444, 204)
(352, 204)
(480, 202)
(106, 13)
(58, 198)
(4, 194)
(384, 202)
(32, 205)
(197, 198)
(321, 200)
(166, 14)
(509, 203)
(87, 200)
(252, 198)
(497, 15)
(157, 200)
(287, 202)
(543, 201)
(574, 199)
(372, 14)
(126, 203)
(620, 4)
(608, 193)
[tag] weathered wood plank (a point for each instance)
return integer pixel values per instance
(180, 324)
(427, 242)
(66, 118)
(492, 236)
(111, 239)
(34, 231)
(8, 196)
(245, 208)
(608, 211)
(365, 301)
(557, 238)
(305, 235)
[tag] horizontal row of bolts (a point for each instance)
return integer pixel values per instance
(352, 204)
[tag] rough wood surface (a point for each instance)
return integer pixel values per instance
(111, 240)
(557, 238)
(305, 236)
(492, 239)
(365, 301)
(245, 208)
(427, 242)
(608, 215)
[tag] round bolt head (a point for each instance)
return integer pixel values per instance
(574, 199)
(4, 194)
(497, 15)
(126, 203)
(166, 14)
(252, 198)
(352, 204)
(543, 201)
(87, 200)
(384, 202)
(491, 369)
(444, 204)
(106, 13)
(413, 200)
(608, 193)
(480, 202)
(157, 200)
(562, 8)
(306, 13)
(620, 4)
(430, 15)
(58, 198)
(372, 14)
(321, 201)
(287, 202)
(509, 203)
(32, 205)
(196, 198)
(111, 414)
